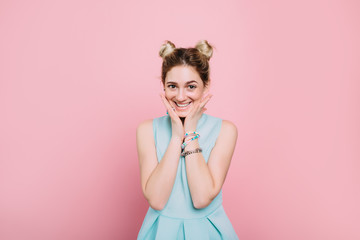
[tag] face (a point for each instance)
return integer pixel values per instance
(183, 88)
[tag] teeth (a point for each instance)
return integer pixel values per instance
(182, 105)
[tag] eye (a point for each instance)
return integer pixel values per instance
(171, 86)
(192, 86)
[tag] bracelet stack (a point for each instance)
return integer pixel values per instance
(187, 141)
(193, 135)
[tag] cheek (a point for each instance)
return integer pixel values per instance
(196, 96)
(169, 95)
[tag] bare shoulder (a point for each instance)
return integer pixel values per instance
(144, 133)
(227, 137)
(228, 129)
(145, 140)
(144, 126)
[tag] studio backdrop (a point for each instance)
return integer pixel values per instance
(77, 77)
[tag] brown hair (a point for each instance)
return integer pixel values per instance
(197, 57)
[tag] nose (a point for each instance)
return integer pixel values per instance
(181, 95)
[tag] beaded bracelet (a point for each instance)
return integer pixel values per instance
(197, 150)
(188, 141)
(191, 134)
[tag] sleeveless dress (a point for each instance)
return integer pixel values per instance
(179, 219)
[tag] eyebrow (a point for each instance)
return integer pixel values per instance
(186, 82)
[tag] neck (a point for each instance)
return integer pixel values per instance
(182, 120)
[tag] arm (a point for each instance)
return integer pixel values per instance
(157, 179)
(205, 180)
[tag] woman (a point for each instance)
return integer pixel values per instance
(184, 156)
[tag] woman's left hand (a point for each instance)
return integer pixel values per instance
(193, 117)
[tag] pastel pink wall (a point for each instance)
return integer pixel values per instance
(77, 77)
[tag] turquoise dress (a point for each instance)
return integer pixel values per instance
(179, 219)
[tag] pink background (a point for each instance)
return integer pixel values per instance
(77, 77)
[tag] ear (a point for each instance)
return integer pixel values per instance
(207, 88)
(162, 85)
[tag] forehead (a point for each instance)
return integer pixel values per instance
(182, 74)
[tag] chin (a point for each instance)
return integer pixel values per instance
(182, 115)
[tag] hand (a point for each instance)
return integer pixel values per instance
(176, 124)
(193, 117)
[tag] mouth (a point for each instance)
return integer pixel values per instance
(182, 107)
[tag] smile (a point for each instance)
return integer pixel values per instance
(182, 106)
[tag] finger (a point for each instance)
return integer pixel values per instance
(169, 108)
(166, 102)
(196, 108)
(206, 100)
(205, 95)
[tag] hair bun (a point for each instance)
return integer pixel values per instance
(205, 48)
(166, 49)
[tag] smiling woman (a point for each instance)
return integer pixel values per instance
(181, 92)
(185, 155)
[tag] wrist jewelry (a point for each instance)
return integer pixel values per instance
(191, 134)
(197, 150)
(186, 142)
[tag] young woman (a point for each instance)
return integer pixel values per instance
(184, 156)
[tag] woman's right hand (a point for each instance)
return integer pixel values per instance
(176, 124)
